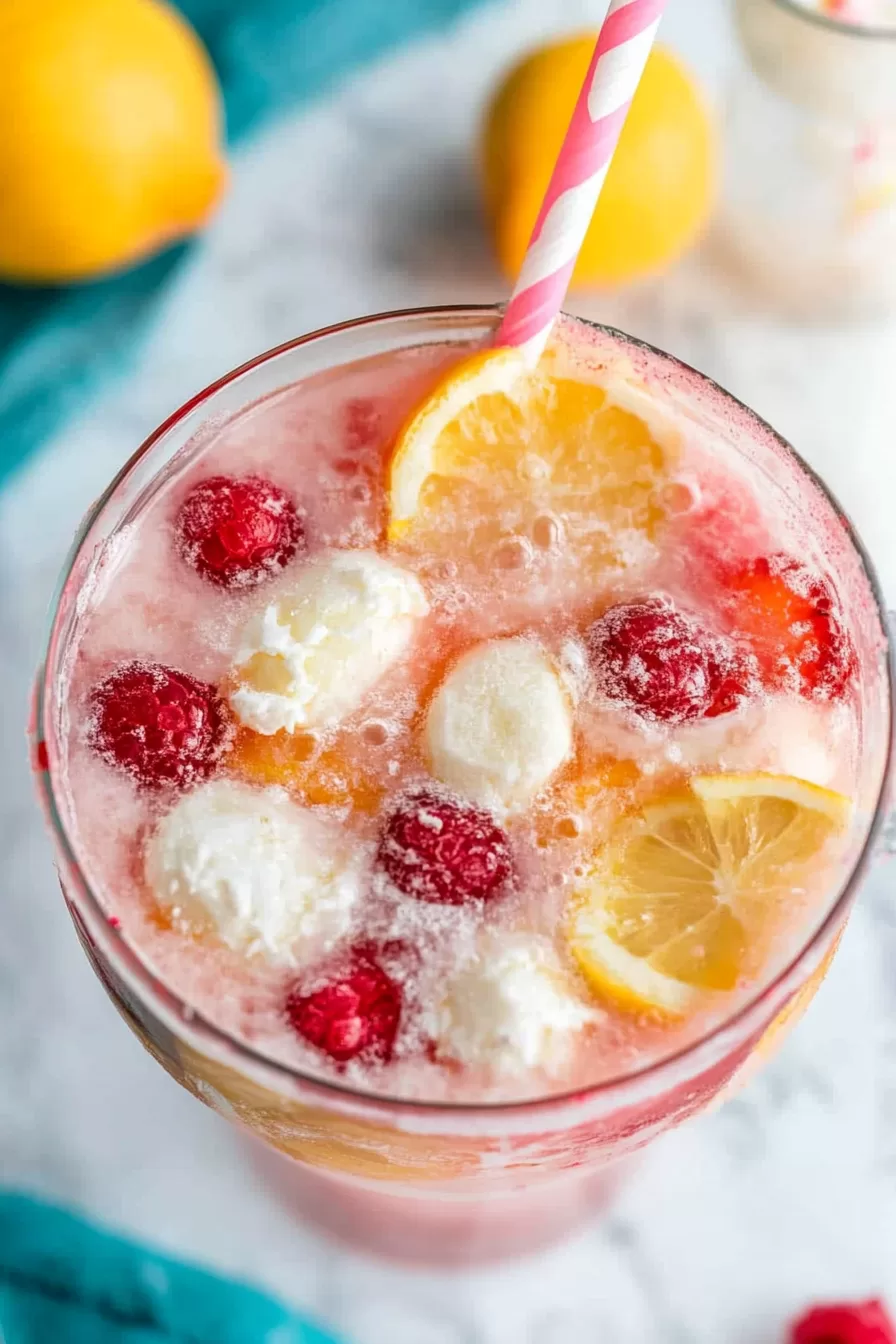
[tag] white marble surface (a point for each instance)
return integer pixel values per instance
(367, 202)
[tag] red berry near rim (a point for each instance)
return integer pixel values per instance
(844, 1323)
(161, 726)
(238, 533)
(440, 849)
(355, 1014)
(791, 618)
(664, 665)
(733, 677)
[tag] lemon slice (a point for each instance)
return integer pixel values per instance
(687, 896)
(431, 441)
(499, 451)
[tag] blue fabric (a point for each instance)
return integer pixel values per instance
(55, 344)
(65, 1281)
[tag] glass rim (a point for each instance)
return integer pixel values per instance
(153, 988)
(863, 31)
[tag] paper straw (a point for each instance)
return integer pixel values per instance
(623, 46)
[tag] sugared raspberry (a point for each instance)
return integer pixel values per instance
(845, 1323)
(355, 1014)
(160, 725)
(664, 665)
(237, 533)
(441, 849)
(733, 676)
(790, 617)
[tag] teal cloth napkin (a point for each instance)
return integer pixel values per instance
(65, 1281)
(56, 344)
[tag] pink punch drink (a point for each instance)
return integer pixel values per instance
(456, 798)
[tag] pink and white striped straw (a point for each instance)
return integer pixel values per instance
(613, 76)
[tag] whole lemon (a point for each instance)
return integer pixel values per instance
(110, 134)
(658, 192)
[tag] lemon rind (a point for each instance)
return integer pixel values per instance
(763, 784)
(629, 980)
(483, 374)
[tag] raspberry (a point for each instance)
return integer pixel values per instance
(733, 677)
(237, 533)
(355, 1015)
(791, 619)
(439, 849)
(664, 664)
(845, 1323)
(159, 725)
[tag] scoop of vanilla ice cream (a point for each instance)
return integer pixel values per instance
(500, 724)
(266, 874)
(510, 1008)
(311, 656)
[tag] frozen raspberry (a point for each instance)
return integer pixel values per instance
(237, 533)
(790, 617)
(733, 676)
(845, 1323)
(355, 1014)
(664, 665)
(438, 849)
(161, 726)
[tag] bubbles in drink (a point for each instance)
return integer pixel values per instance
(568, 827)
(547, 532)
(679, 496)
(511, 553)
(437, 865)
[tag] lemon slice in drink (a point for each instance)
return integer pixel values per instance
(687, 896)
(430, 444)
(498, 451)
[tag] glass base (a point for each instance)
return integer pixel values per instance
(440, 1230)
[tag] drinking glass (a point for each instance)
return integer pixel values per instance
(809, 207)
(441, 1182)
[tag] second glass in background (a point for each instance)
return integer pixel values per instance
(808, 220)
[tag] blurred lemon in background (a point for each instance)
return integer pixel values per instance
(659, 189)
(110, 135)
